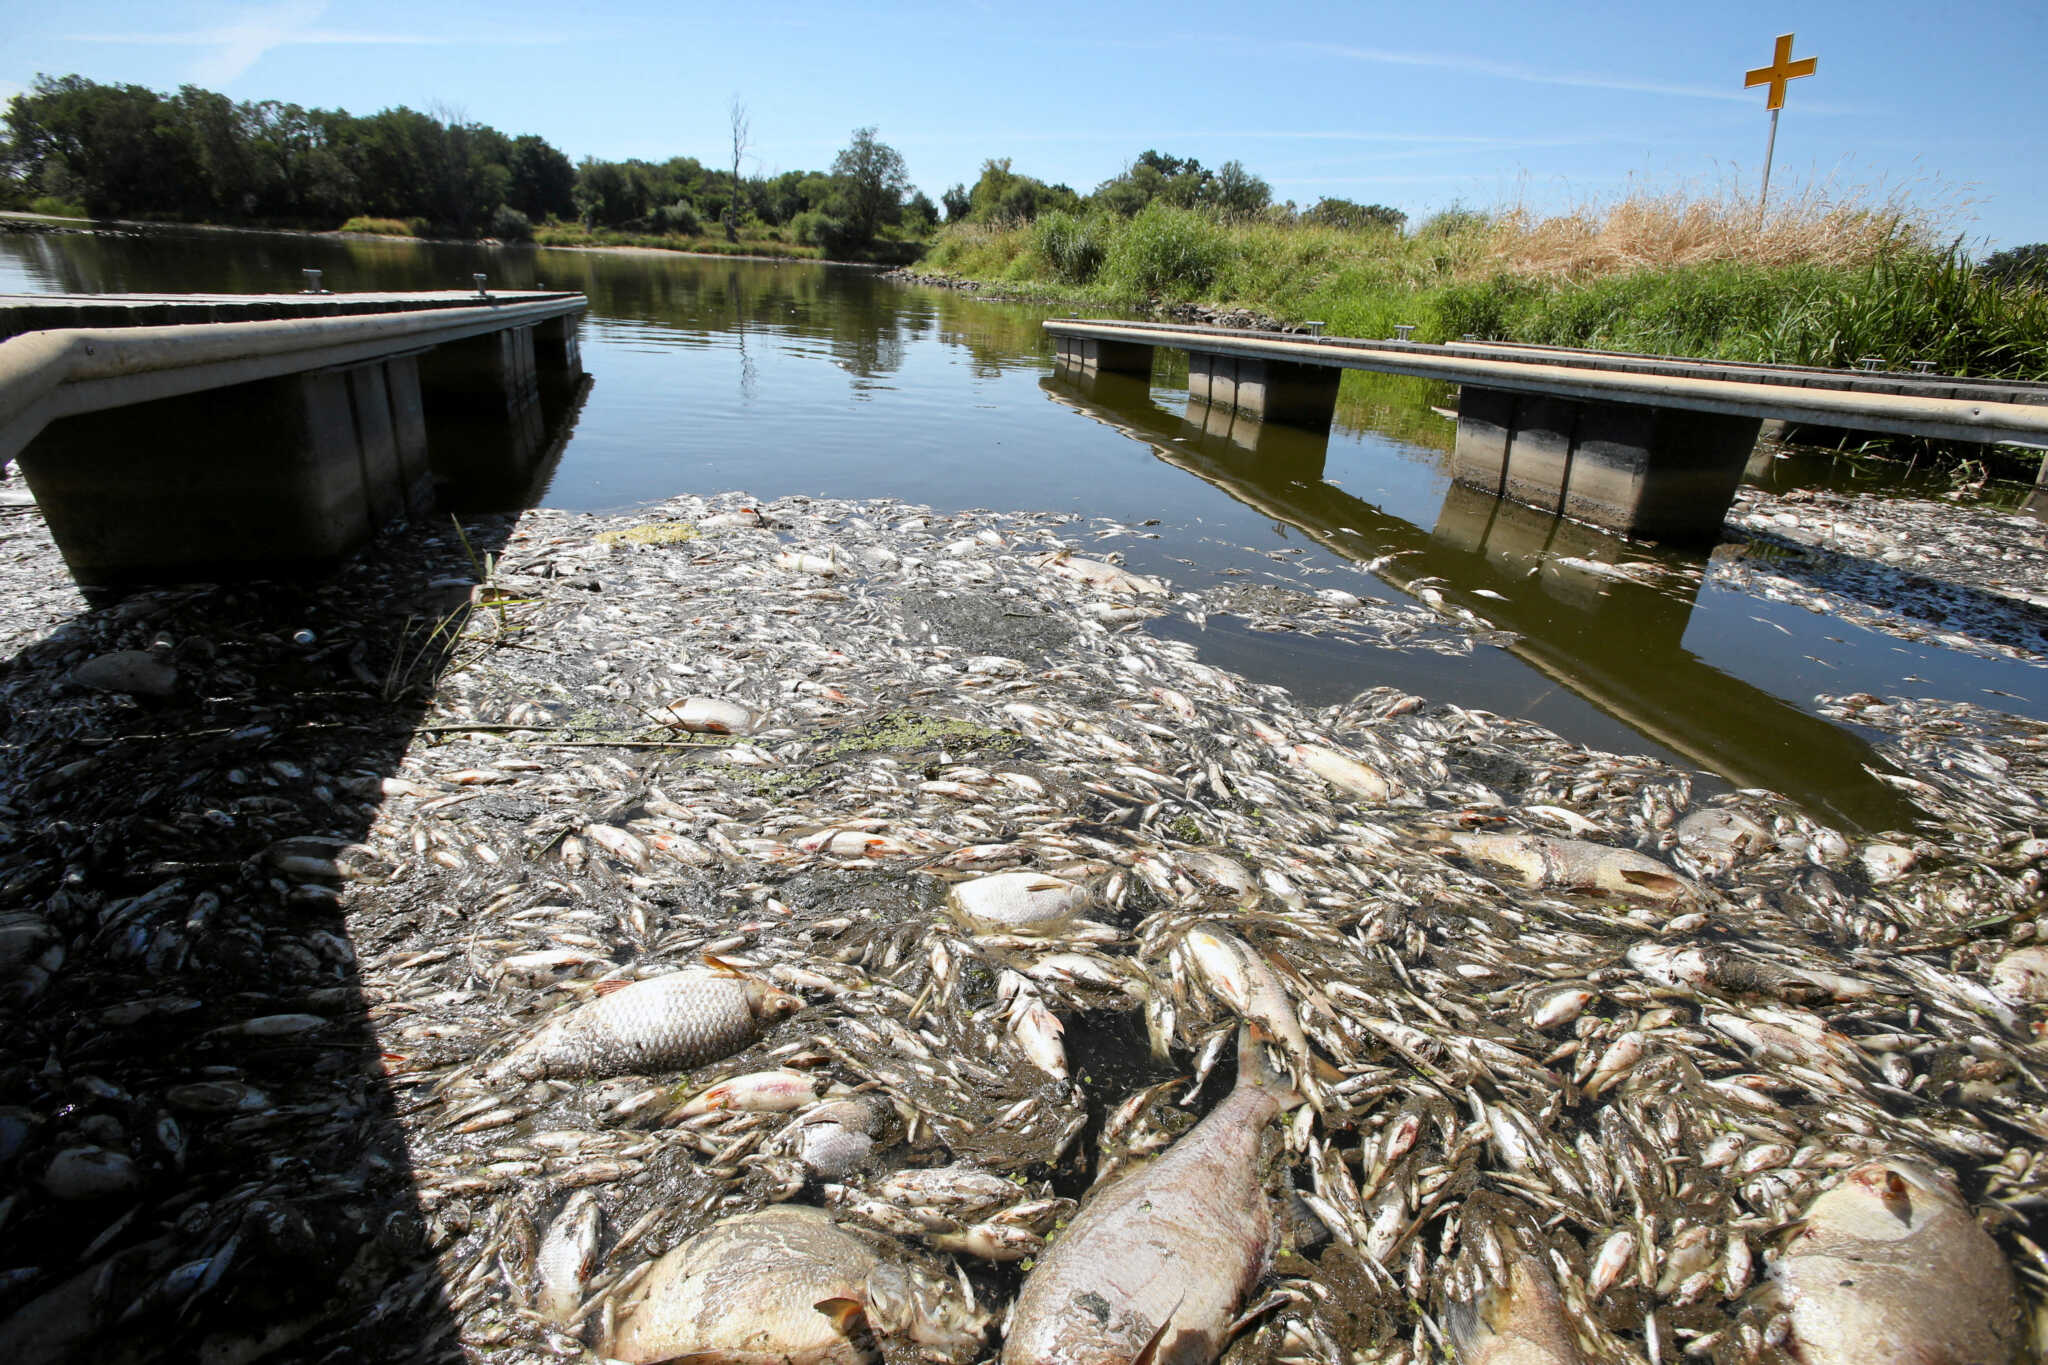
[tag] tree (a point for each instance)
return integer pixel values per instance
(1237, 192)
(738, 112)
(2018, 266)
(543, 180)
(958, 203)
(1342, 213)
(874, 180)
(920, 214)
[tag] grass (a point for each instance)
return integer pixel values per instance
(776, 242)
(387, 227)
(50, 206)
(1819, 281)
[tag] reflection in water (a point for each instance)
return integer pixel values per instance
(783, 378)
(487, 462)
(1617, 642)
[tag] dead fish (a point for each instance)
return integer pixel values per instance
(664, 1023)
(1156, 1265)
(959, 1190)
(1036, 1029)
(1345, 773)
(2021, 976)
(134, 672)
(757, 1092)
(737, 518)
(824, 566)
(1102, 576)
(567, 1256)
(710, 716)
(1891, 1265)
(1243, 980)
(1574, 865)
(833, 1138)
(1521, 1321)
(1016, 902)
(787, 1286)
(1701, 965)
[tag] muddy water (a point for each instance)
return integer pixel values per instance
(784, 378)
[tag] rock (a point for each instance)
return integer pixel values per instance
(129, 671)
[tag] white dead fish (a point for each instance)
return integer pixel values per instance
(1891, 1265)
(664, 1023)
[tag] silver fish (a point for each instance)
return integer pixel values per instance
(664, 1023)
(788, 1286)
(1160, 1261)
(1575, 865)
(1017, 902)
(567, 1256)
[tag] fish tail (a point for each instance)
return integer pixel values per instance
(1255, 1066)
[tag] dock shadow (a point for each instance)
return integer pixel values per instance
(201, 1154)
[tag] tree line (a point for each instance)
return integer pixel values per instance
(1004, 196)
(125, 151)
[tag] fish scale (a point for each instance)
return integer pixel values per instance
(667, 1023)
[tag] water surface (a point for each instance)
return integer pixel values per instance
(785, 378)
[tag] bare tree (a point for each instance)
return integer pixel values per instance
(738, 111)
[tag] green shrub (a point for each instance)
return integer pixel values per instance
(51, 206)
(1074, 247)
(1166, 251)
(679, 218)
(387, 227)
(815, 227)
(510, 225)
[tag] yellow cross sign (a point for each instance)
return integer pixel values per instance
(1781, 69)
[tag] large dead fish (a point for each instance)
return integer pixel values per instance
(1575, 865)
(1017, 902)
(787, 1286)
(1891, 1265)
(664, 1023)
(1157, 1264)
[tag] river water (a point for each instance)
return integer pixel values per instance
(786, 378)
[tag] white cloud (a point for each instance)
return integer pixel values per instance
(1515, 71)
(235, 47)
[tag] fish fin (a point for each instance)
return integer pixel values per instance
(1254, 1068)
(719, 964)
(1149, 1354)
(1663, 883)
(611, 985)
(849, 1316)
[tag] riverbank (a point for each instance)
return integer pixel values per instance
(1824, 290)
(283, 915)
(552, 238)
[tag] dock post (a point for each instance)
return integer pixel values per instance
(268, 477)
(1632, 468)
(557, 350)
(493, 373)
(1284, 391)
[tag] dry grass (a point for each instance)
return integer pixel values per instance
(1818, 225)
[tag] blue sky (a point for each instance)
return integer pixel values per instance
(1418, 106)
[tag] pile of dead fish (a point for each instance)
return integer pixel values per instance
(1969, 579)
(833, 931)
